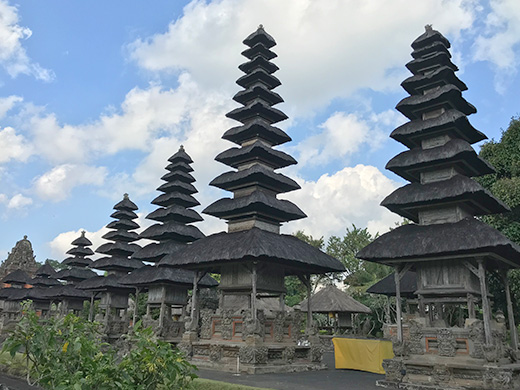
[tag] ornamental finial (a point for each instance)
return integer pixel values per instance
(428, 27)
(125, 196)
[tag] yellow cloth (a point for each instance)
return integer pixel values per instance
(364, 355)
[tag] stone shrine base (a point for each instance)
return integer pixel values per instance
(444, 373)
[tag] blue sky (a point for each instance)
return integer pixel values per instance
(95, 96)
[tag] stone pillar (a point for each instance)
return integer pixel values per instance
(486, 311)
(91, 310)
(134, 320)
(253, 291)
(309, 310)
(510, 314)
(471, 306)
(194, 302)
(398, 305)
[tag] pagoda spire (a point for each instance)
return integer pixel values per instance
(78, 262)
(172, 229)
(254, 183)
(122, 237)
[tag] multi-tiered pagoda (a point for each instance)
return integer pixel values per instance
(451, 250)
(117, 263)
(253, 258)
(167, 286)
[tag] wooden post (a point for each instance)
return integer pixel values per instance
(398, 304)
(161, 314)
(471, 306)
(485, 301)
(309, 310)
(510, 314)
(136, 305)
(422, 308)
(91, 310)
(282, 302)
(253, 291)
(194, 301)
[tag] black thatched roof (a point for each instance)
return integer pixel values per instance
(254, 245)
(154, 252)
(80, 251)
(177, 185)
(148, 276)
(386, 286)
(66, 292)
(451, 122)
(42, 281)
(22, 294)
(75, 274)
(457, 152)
(259, 50)
(172, 231)
(408, 200)
(126, 204)
(103, 283)
(429, 37)
(181, 156)
(331, 299)
(431, 61)
(259, 36)
(415, 242)
(258, 91)
(257, 151)
(174, 213)
(45, 270)
(441, 76)
(77, 261)
(16, 277)
(118, 248)
(179, 198)
(121, 236)
(178, 175)
(256, 128)
(116, 263)
(82, 241)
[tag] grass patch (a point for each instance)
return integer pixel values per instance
(15, 366)
(207, 384)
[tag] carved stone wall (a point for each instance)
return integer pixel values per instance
(20, 257)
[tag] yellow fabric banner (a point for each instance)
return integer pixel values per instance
(363, 355)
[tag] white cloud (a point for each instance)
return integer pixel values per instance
(335, 202)
(501, 40)
(57, 184)
(6, 103)
(19, 202)
(327, 49)
(13, 146)
(13, 56)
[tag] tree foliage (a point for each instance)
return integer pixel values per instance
(68, 353)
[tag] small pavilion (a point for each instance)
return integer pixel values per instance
(252, 257)
(338, 305)
(451, 251)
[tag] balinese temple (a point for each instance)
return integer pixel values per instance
(338, 305)
(167, 286)
(45, 276)
(252, 257)
(11, 283)
(21, 257)
(68, 297)
(450, 249)
(116, 263)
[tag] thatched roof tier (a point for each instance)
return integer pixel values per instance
(447, 97)
(126, 204)
(386, 286)
(331, 299)
(23, 294)
(256, 63)
(444, 75)
(257, 151)
(172, 231)
(121, 236)
(452, 123)
(431, 62)
(259, 75)
(177, 185)
(257, 108)
(42, 281)
(178, 198)
(123, 214)
(174, 213)
(468, 237)
(80, 251)
(406, 201)
(81, 241)
(258, 203)
(256, 128)
(260, 36)
(434, 47)
(181, 156)
(16, 277)
(75, 274)
(154, 252)
(259, 50)
(179, 166)
(429, 37)
(66, 292)
(254, 244)
(103, 283)
(77, 261)
(123, 248)
(255, 175)
(257, 91)
(178, 175)
(455, 153)
(123, 224)
(152, 275)
(45, 270)
(117, 263)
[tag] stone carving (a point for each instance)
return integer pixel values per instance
(441, 374)
(394, 370)
(206, 322)
(400, 348)
(252, 327)
(20, 257)
(446, 343)
(288, 354)
(252, 355)
(171, 329)
(492, 353)
(497, 378)
(185, 348)
(316, 353)
(416, 338)
(296, 324)
(279, 326)
(226, 324)
(215, 353)
(476, 335)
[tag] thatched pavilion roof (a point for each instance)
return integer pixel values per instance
(386, 286)
(332, 300)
